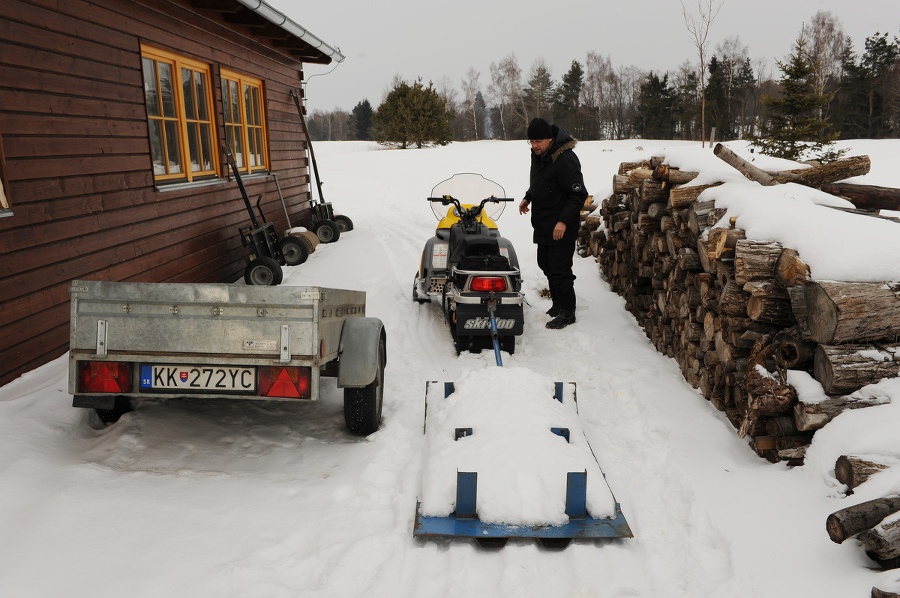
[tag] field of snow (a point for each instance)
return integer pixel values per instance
(197, 498)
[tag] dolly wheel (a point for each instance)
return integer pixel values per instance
(343, 223)
(264, 272)
(327, 231)
(295, 250)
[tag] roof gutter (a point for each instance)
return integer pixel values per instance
(274, 16)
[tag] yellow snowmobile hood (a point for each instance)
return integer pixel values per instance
(450, 219)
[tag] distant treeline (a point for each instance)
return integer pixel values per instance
(594, 100)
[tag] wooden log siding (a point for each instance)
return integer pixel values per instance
(77, 159)
(705, 296)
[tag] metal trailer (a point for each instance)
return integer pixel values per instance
(136, 341)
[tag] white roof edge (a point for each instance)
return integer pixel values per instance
(278, 18)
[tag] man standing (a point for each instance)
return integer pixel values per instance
(556, 193)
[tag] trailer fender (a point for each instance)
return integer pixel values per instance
(358, 364)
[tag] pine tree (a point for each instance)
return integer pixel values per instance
(537, 96)
(655, 118)
(413, 114)
(567, 99)
(361, 121)
(795, 128)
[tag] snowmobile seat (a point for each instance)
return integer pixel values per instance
(473, 245)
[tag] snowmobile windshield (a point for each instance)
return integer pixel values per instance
(469, 188)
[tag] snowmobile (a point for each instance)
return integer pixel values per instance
(470, 268)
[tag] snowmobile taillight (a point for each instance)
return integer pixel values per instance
(486, 284)
(104, 376)
(284, 382)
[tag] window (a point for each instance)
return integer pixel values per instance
(179, 109)
(245, 134)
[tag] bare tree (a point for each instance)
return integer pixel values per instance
(447, 91)
(504, 91)
(596, 94)
(698, 26)
(824, 49)
(470, 90)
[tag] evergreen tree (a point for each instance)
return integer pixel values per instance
(537, 96)
(655, 118)
(795, 126)
(413, 114)
(880, 57)
(361, 121)
(717, 100)
(567, 100)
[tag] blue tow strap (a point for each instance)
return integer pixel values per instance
(495, 337)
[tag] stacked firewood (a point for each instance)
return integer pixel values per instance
(737, 313)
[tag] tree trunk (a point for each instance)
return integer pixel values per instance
(866, 197)
(682, 197)
(843, 369)
(745, 168)
(674, 176)
(755, 260)
(813, 416)
(883, 540)
(791, 351)
(853, 471)
(839, 312)
(838, 170)
(848, 522)
(790, 270)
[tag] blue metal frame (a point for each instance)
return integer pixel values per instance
(464, 522)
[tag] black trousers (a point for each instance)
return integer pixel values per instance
(555, 261)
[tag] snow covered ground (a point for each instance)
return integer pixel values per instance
(197, 498)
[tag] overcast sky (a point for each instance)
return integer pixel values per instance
(413, 38)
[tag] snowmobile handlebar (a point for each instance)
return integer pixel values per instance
(474, 211)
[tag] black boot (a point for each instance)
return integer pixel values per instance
(554, 311)
(564, 318)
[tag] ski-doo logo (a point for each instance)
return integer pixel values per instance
(485, 323)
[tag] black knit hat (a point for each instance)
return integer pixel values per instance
(539, 129)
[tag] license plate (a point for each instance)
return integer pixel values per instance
(198, 378)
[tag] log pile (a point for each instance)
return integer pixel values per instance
(736, 313)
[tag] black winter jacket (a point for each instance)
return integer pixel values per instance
(556, 192)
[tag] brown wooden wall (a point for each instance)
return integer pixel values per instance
(77, 157)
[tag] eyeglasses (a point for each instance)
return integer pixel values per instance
(536, 141)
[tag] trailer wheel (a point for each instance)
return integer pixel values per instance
(264, 272)
(295, 250)
(111, 416)
(363, 406)
(327, 231)
(343, 223)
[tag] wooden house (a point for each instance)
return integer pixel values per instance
(112, 115)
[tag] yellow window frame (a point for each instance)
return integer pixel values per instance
(245, 121)
(189, 121)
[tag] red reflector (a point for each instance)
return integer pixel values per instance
(104, 376)
(488, 283)
(286, 382)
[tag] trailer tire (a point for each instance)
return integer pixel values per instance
(327, 231)
(363, 406)
(295, 250)
(120, 408)
(263, 271)
(343, 223)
